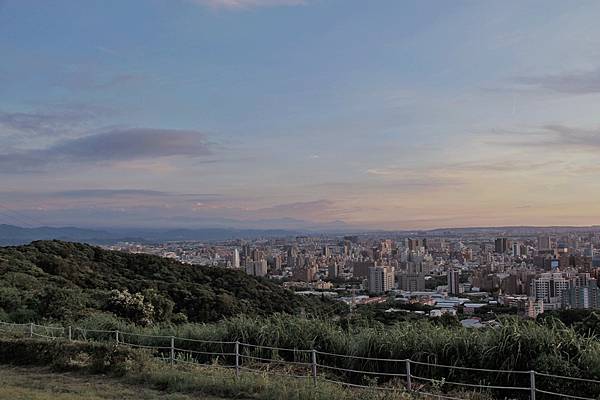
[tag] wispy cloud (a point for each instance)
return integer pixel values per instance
(95, 193)
(307, 209)
(52, 120)
(444, 175)
(322, 209)
(507, 165)
(111, 146)
(114, 193)
(415, 178)
(554, 136)
(132, 207)
(585, 82)
(245, 4)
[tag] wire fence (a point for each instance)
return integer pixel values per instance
(386, 374)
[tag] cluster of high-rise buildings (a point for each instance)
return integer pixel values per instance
(533, 271)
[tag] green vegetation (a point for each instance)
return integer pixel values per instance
(365, 314)
(87, 287)
(53, 280)
(43, 384)
(435, 281)
(517, 345)
(585, 322)
(136, 375)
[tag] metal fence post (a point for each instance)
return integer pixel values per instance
(314, 366)
(532, 385)
(408, 377)
(70, 334)
(237, 359)
(31, 329)
(172, 350)
(117, 337)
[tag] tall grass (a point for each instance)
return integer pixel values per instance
(517, 345)
(122, 364)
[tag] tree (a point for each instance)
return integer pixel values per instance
(163, 306)
(57, 303)
(166, 286)
(131, 306)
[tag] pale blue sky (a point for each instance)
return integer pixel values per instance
(391, 114)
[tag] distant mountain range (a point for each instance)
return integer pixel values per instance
(14, 235)
(512, 230)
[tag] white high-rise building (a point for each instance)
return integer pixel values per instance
(550, 287)
(257, 268)
(235, 259)
(381, 279)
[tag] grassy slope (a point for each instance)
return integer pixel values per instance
(42, 384)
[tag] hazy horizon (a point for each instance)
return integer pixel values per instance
(288, 114)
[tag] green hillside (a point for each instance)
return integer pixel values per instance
(58, 280)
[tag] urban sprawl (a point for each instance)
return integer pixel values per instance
(468, 275)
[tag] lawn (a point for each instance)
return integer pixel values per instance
(41, 384)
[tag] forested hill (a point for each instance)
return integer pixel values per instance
(62, 280)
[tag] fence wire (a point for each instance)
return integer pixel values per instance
(302, 363)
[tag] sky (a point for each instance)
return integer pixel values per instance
(299, 113)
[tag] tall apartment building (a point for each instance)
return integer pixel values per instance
(235, 259)
(412, 282)
(334, 270)
(550, 287)
(381, 279)
(453, 281)
(416, 244)
(257, 268)
(360, 269)
(277, 262)
(518, 250)
(305, 274)
(544, 243)
(418, 264)
(583, 297)
(502, 245)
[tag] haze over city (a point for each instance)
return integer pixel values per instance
(296, 114)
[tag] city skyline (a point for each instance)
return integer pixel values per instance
(299, 113)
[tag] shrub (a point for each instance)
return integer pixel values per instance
(61, 355)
